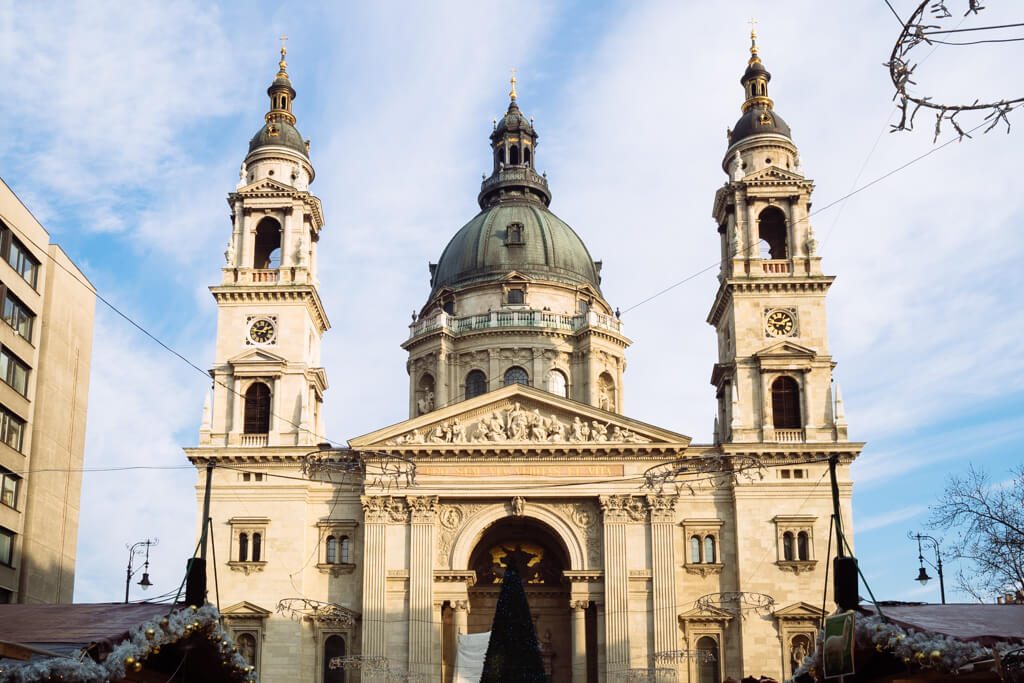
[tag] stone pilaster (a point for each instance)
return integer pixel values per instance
(618, 511)
(376, 513)
(663, 561)
(421, 584)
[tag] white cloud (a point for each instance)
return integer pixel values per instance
(879, 521)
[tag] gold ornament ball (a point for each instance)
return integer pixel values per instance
(150, 634)
(193, 608)
(935, 655)
(156, 650)
(900, 637)
(137, 667)
(164, 622)
(919, 656)
(128, 661)
(906, 660)
(879, 647)
(195, 624)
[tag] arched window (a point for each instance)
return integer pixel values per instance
(476, 383)
(802, 551)
(558, 384)
(526, 155)
(332, 550)
(246, 643)
(709, 549)
(267, 249)
(516, 375)
(499, 157)
(786, 403)
(787, 546)
(771, 229)
(513, 155)
(695, 550)
(257, 409)
(257, 547)
(243, 547)
(346, 550)
(334, 647)
(707, 665)
(425, 394)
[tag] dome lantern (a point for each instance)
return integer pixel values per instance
(281, 92)
(759, 116)
(513, 146)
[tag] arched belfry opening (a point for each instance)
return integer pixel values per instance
(771, 232)
(542, 557)
(267, 249)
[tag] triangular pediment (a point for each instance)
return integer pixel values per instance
(256, 355)
(776, 174)
(522, 416)
(799, 610)
(516, 276)
(708, 613)
(786, 349)
(265, 185)
(245, 610)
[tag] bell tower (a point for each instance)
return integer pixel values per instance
(268, 383)
(774, 372)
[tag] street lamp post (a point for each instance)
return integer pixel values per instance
(922, 574)
(134, 550)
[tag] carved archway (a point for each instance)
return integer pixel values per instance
(473, 529)
(542, 559)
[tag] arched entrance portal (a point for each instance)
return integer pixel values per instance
(542, 579)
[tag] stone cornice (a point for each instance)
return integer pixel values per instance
(764, 284)
(274, 293)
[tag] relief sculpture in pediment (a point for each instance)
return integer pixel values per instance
(520, 424)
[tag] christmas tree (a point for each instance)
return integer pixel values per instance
(513, 655)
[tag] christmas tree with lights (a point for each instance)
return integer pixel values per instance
(513, 655)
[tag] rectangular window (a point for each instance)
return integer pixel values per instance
(8, 489)
(13, 371)
(12, 429)
(17, 315)
(6, 546)
(23, 262)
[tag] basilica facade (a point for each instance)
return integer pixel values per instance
(641, 550)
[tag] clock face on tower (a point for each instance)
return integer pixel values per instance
(780, 323)
(262, 331)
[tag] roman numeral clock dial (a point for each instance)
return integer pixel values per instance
(780, 324)
(262, 331)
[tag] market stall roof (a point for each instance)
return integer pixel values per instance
(979, 623)
(48, 625)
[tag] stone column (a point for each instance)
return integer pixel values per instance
(376, 511)
(493, 380)
(421, 584)
(617, 512)
(579, 641)
(663, 563)
(460, 622)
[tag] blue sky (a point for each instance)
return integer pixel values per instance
(126, 125)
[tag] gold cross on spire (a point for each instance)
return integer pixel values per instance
(284, 51)
(752, 22)
(753, 39)
(512, 94)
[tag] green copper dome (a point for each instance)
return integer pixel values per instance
(280, 134)
(486, 249)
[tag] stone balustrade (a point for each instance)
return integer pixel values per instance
(775, 266)
(254, 440)
(789, 435)
(514, 318)
(251, 276)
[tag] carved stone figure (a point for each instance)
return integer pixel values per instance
(457, 432)
(415, 437)
(617, 434)
(599, 432)
(495, 428)
(556, 430)
(426, 404)
(518, 505)
(229, 253)
(577, 430)
(518, 423)
(737, 169)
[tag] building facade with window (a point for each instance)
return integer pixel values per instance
(639, 549)
(45, 354)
